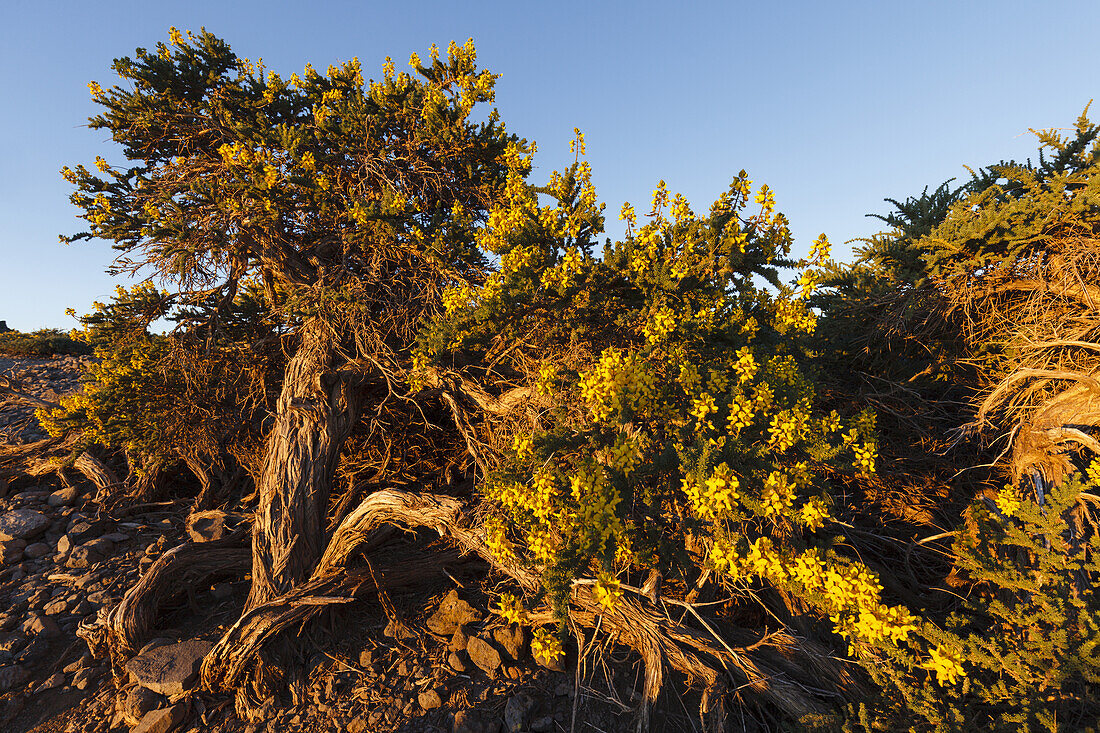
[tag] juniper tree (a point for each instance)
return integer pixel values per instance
(349, 202)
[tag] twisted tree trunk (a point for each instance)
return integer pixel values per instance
(316, 412)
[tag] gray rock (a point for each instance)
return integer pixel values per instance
(85, 529)
(161, 720)
(37, 550)
(63, 497)
(12, 677)
(43, 626)
(86, 677)
(452, 613)
(83, 557)
(57, 679)
(171, 669)
(22, 524)
(516, 711)
(484, 655)
(11, 551)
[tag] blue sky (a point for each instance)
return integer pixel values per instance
(834, 105)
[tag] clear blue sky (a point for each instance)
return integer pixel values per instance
(835, 105)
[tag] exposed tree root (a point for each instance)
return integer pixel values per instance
(123, 630)
(771, 667)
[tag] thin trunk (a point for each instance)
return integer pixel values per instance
(315, 413)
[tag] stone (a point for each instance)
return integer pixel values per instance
(366, 658)
(211, 525)
(512, 639)
(43, 626)
(57, 679)
(484, 655)
(545, 724)
(358, 725)
(161, 720)
(12, 677)
(430, 699)
(63, 497)
(37, 550)
(454, 660)
(460, 640)
(56, 608)
(397, 630)
(85, 529)
(86, 677)
(516, 711)
(452, 613)
(11, 551)
(170, 670)
(140, 702)
(22, 524)
(83, 557)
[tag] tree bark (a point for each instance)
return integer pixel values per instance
(316, 411)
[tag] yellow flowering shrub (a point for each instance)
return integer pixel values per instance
(675, 411)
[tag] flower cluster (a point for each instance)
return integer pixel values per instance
(607, 591)
(546, 647)
(618, 382)
(714, 496)
(511, 609)
(946, 664)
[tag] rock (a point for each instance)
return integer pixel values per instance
(460, 639)
(22, 524)
(468, 721)
(101, 545)
(211, 525)
(43, 626)
(138, 703)
(358, 725)
(12, 677)
(57, 679)
(512, 639)
(63, 497)
(83, 557)
(516, 711)
(452, 613)
(169, 670)
(117, 537)
(430, 699)
(397, 630)
(86, 677)
(56, 608)
(161, 720)
(37, 550)
(11, 551)
(484, 655)
(545, 724)
(85, 529)
(455, 661)
(366, 658)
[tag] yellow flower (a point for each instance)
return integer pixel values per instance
(1007, 501)
(946, 665)
(546, 647)
(511, 609)
(607, 591)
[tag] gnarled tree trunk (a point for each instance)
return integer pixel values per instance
(316, 412)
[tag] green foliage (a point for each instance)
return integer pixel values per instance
(168, 399)
(1027, 636)
(43, 342)
(675, 427)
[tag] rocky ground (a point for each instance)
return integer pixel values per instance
(435, 660)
